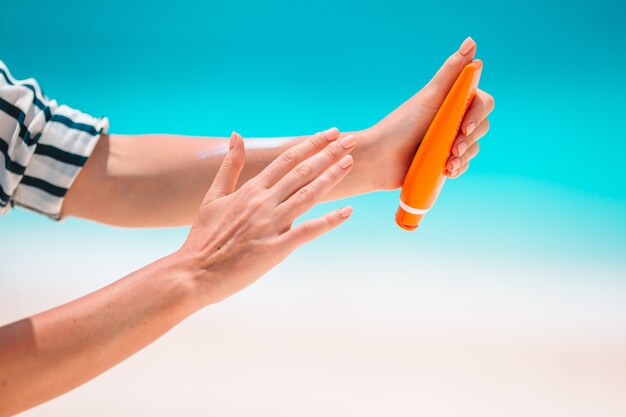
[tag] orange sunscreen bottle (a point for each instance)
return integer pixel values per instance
(425, 177)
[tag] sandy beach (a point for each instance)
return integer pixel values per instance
(368, 340)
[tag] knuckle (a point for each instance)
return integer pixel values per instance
(331, 220)
(307, 229)
(303, 170)
(429, 96)
(491, 102)
(271, 244)
(305, 194)
(227, 163)
(333, 173)
(249, 185)
(469, 155)
(451, 62)
(249, 188)
(318, 140)
(281, 246)
(255, 203)
(487, 125)
(210, 197)
(288, 157)
(238, 158)
(265, 225)
(331, 151)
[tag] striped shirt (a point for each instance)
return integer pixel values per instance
(43, 146)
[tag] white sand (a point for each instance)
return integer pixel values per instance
(367, 341)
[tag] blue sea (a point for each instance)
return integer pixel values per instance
(549, 178)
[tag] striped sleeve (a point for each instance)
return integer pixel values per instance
(43, 146)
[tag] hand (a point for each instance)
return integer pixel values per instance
(238, 236)
(395, 139)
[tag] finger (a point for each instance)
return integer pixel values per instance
(443, 80)
(478, 111)
(311, 168)
(314, 228)
(462, 142)
(294, 155)
(458, 172)
(310, 194)
(456, 162)
(228, 174)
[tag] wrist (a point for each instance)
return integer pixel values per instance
(182, 275)
(200, 280)
(374, 158)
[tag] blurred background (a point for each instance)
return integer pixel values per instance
(509, 300)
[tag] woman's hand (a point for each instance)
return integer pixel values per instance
(238, 236)
(395, 139)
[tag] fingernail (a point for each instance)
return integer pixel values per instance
(348, 141)
(330, 134)
(453, 164)
(233, 140)
(467, 46)
(461, 148)
(346, 161)
(470, 128)
(345, 211)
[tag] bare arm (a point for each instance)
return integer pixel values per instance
(53, 352)
(159, 180)
(235, 239)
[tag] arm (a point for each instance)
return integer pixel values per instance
(159, 180)
(53, 352)
(235, 238)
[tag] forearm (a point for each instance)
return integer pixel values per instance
(160, 180)
(53, 352)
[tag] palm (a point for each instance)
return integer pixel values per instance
(404, 129)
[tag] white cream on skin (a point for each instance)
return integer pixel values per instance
(250, 143)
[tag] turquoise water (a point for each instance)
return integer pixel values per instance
(548, 186)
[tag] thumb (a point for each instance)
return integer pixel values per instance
(228, 174)
(444, 79)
